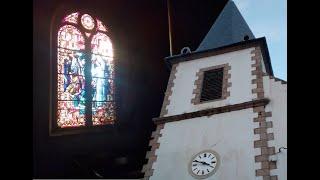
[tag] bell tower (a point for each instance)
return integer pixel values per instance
(224, 113)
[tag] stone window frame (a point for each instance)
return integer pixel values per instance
(199, 81)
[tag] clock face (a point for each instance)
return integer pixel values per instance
(204, 164)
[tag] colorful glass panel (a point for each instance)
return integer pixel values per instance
(101, 44)
(101, 27)
(72, 18)
(69, 37)
(87, 21)
(70, 79)
(70, 114)
(102, 72)
(103, 113)
(88, 34)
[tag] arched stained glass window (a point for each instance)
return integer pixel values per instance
(85, 73)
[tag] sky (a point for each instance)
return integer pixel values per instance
(268, 18)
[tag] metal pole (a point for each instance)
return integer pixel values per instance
(169, 23)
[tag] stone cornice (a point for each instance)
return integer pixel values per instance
(212, 111)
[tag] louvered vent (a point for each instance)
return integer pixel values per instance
(212, 85)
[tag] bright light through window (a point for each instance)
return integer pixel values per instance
(85, 82)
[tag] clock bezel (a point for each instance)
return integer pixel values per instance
(209, 174)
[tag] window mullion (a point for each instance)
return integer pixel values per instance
(88, 89)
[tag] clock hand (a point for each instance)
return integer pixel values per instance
(207, 164)
(202, 162)
(198, 161)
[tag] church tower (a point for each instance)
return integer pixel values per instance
(224, 113)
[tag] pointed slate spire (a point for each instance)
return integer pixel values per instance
(229, 28)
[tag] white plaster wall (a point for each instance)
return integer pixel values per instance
(240, 90)
(277, 93)
(229, 134)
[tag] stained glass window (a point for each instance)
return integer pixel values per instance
(85, 73)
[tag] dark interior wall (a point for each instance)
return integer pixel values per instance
(140, 38)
